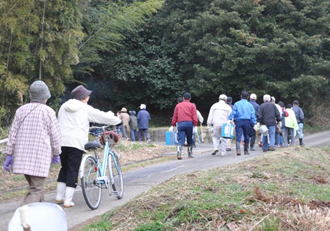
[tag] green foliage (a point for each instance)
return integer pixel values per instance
(223, 46)
(105, 24)
(155, 226)
(38, 39)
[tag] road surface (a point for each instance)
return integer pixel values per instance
(140, 180)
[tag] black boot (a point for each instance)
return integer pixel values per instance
(301, 142)
(190, 152)
(246, 149)
(252, 142)
(238, 148)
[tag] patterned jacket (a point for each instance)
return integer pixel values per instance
(33, 139)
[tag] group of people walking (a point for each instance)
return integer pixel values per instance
(134, 127)
(276, 124)
(37, 138)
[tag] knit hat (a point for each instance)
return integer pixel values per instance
(143, 106)
(80, 92)
(39, 92)
(253, 96)
(223, 97)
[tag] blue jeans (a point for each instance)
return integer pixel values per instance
(185, 129)
(134, 134)
(271, 133)
(243, 128)
(278, 139)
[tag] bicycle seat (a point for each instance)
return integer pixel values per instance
(93, 145)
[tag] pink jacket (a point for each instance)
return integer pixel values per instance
(33, 139)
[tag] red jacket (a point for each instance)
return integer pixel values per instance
(185, 111)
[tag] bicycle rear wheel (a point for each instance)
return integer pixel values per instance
(117, 183)
(90, 189)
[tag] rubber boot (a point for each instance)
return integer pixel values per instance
(179, 152)
(238, 148)
(69, 192)
(60, 192)
(246, 149)
(301, 142)
(190, 148)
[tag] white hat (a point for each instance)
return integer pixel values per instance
(143, 106)
(273, 99)
(223, 97)
(266, 98)
(253, 96)
(123, 109)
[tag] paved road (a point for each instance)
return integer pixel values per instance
(141, 180)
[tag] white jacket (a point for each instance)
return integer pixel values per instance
(74, 117)
(219, 113)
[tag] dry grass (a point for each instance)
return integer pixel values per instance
(286, 190)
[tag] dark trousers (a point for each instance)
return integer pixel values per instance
(70, 161)
(253, 138)
(185, 129)
(143, 134)
(243, 127)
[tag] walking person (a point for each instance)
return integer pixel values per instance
(185, 118)
(284, 129)
(34, 141)
(133, 125)
(291, 125)
(218, 115)
(74, 117)
(268, 115)
(229, 101)
(143, 118)
(253, 98)
(300, 120)
(244, 117)
(124, 116)
(278, 133)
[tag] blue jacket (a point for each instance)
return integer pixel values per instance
(255, 106)
(243, 110)
(299, 114)
(143, 117)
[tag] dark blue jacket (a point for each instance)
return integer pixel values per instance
(255, 106)
(143, 117)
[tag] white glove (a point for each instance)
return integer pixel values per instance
(171, 129)
(195, 129)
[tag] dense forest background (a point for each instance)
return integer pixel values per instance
(132, 52)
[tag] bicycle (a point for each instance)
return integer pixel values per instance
(93, 171)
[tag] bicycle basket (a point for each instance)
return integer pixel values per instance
(111, 136)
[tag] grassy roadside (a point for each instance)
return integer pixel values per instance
(284, 190)
(132, 155)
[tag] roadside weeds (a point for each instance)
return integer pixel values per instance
(285, 190)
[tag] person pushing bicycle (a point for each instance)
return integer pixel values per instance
(74, 117)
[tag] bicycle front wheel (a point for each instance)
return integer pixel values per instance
(90, 189)
(117, 182)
